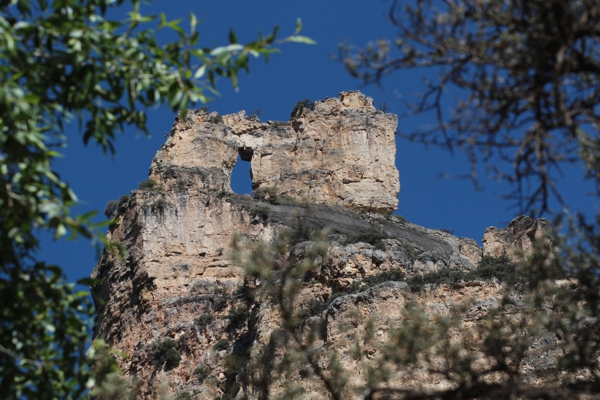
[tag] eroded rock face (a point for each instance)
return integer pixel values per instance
(180, 280)
(516, 238)
(335, 151)
(180, 267)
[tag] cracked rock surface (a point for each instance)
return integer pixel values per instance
(179, 280)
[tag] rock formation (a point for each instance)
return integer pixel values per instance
(336, 151)
(331, 167)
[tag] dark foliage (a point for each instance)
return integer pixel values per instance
(313, 308)
(443, 276)
(489, 268)
(373, 235)
(301, 105)
(255, 113)
(221, 299)
(268, 193)
(237, 316)
(221, 345)
(183, 396)
(216, 119)
(398, 218)
(204, 320)
(260, 212)
(159, 204)
(501, 268)
(166, 354)
(201, 373)
(149, 185)
(111, 208)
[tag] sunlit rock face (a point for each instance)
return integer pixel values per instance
(334, 151)
(179, 281)
(516, 239)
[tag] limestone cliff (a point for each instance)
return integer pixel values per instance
(332, 167)
(335, 151)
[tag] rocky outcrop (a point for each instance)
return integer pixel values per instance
(333, 167)
(518, 237)
(334, 151)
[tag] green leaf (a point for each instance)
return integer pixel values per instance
(300, 39)
(219, 51)
(200, 72)
(193, 22)
(232, 37)
(298, 26)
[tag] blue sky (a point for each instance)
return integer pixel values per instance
(299, 72)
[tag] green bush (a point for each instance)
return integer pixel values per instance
(201, 374)
(159, 204)
(261, 212)
(271, 194)
(266, 193)
(111, 208)
(398, 218)
(373, 235)
(444, 276)
(215, 119)
(501, 268)
(237, 316)
(149, 185)
(221, 345)
(221, 299)
(166, 354)
(370, 281)
(183, 396)
(224, 193)
(407, 247)
(204, 320)
(124, 198)
(313, 308)
(302, 104)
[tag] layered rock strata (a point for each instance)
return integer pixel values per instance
(180, 280)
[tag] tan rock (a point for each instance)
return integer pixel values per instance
(180, 279)
(516, 238)
(338, 151)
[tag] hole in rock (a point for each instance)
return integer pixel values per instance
(241, 181)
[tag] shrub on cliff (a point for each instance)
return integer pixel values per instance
(267, 193)
(237, 316)
(166, 354)
(201, 373)
(204, 320)
(373, 235)
(301, 105)
(222, 344)
(149, 185)
(110, 208)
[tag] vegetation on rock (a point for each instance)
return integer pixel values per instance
(204, 320)
(110, 208)
(373, 235)
(166, 355)
(222, 344)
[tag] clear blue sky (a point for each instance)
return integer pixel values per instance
(299, 72)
